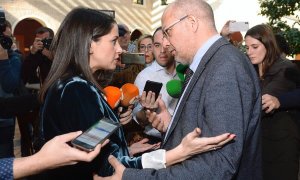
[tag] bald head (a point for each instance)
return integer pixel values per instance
(198, 8)
(188, 21)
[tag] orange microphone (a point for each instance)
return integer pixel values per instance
(130, 94)
(113, 96)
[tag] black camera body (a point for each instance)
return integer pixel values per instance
(5, 41)
(47, 42)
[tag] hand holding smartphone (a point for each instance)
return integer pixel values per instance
(154, 87)
(96, 134)
(238, 26)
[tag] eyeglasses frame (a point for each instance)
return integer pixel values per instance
(166, 30)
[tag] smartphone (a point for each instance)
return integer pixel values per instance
(238, 26)
(133, 58)
(95, 135)
(154, 87)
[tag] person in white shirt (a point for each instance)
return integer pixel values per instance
(163, 69)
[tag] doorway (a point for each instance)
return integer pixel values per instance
(24, 33)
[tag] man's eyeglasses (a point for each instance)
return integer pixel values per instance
(167, 30)
(148, 47)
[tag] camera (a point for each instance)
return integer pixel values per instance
(5, 41)
(47, 42)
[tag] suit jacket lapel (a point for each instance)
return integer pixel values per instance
(205, 60)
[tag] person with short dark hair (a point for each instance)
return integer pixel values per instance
(40, 58)
(163, 69)
(124, 36)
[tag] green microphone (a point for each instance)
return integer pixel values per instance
(174, 88)
(180, 69)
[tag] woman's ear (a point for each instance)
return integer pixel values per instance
(91, 48)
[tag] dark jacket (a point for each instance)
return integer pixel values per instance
(9, 82)
(76, 104)
(222, 96)
(30, 65)
(275, 81)
(280, 133)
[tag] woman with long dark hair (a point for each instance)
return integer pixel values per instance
(280, 134)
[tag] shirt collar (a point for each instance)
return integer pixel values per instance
(158, 67)
(201, 51)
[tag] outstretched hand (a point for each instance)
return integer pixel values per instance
(193, 144)
(119, 170)
(142, 146)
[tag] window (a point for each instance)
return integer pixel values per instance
(141, 2)
(164, 2)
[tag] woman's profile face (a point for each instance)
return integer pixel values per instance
(255, 50)
(105, 53)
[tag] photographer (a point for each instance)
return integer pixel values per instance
(39, 59)
(35, 69)
(10, 68)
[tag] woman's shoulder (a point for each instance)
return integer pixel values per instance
(281, 65)
(284, 63)
(71, 82)
(75, 84)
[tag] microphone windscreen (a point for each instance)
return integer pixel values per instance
(174, 88)
(113, 96)
(180, 69)
(130, 94)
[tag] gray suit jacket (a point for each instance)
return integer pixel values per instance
(223, 96)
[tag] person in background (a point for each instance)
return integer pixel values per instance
(135, 35)
(10, 70)
(124, 36)
(35, 69)
(235, 38)
(40, 58)
(124, 40)
(130, 71)
(280, 133)
(145, 45)
(163, 69)
(288, 100)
